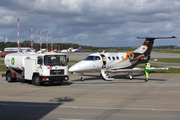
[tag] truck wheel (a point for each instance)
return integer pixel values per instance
(9, 77)
(36, 80)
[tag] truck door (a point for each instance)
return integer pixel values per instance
(29, 68)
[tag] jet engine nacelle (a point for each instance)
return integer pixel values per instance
(135, 56)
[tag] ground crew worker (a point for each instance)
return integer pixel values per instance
(147, 69)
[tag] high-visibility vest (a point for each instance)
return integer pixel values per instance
(148, 66)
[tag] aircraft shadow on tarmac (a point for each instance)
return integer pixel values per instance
(29, 110)
(116, 77)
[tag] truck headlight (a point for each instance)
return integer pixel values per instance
(66, 78)
(47, 79)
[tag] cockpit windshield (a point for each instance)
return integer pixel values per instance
(92, 58)
(55, 60)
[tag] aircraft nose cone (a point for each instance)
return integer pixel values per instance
(71, 69)
(74, 68)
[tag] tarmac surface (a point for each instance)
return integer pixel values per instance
(93, 99)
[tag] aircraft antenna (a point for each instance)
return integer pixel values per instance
(18, 34)
(31, 36)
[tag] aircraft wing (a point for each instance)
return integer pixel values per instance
(136, 69)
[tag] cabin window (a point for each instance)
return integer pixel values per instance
(97, 58)
(109, 58)
(113, 58)
(89, 58)
(117, 58)
(92, 58)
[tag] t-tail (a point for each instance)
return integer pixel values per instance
(146, 48)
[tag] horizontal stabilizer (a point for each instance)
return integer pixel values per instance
(155, 37)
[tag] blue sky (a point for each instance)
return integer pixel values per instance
(105, 23)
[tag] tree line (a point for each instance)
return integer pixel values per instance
(36, 46)
(61, 46)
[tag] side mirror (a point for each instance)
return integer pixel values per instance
(40, 61)
(68, 59)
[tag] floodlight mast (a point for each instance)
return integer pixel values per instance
(18, 34)
(31, 36)
(40, 40)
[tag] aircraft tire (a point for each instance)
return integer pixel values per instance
(130, 77)
(82, 78)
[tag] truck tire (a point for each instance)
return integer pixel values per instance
(9, 77)
(36, 80)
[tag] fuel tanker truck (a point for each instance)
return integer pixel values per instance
(38, 68)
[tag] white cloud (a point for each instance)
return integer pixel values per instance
(1, 38)
(81, 35)
(7, 20)
(115, 31)
(113, 21)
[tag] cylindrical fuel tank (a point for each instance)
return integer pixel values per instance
(16, 60)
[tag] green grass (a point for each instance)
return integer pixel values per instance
(1, 61)
(107, 50)
(74, 61)
(170, 70)
(167, 60)
(3, 68)
(177, 51)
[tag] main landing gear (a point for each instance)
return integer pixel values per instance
(130, 75)
(82, 78)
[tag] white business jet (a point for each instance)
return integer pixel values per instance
(117, 62)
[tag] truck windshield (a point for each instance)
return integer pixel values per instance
(53, 60)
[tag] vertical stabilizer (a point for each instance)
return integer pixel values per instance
(148, 44)
(149, 41)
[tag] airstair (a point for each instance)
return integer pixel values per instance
(106, 75)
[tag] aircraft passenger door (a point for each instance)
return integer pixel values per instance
(104, 60)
